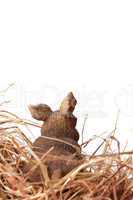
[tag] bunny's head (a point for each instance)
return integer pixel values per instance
(60, 123)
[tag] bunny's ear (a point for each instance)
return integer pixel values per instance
(68, 104)
(40, 111)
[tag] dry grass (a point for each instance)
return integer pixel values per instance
(101, 177)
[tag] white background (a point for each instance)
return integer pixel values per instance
(52, 47)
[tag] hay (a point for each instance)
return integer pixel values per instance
(106, 176)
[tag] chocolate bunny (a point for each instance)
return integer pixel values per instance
(58, 131)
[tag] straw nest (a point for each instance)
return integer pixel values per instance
(104, 176)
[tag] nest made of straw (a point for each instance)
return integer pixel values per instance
(101, 177)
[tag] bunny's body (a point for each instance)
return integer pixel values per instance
(58, 131)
